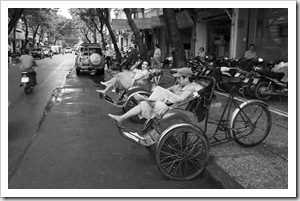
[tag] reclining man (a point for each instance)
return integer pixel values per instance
(149, 109)
(128, 78)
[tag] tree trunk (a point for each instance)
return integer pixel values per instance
(85, 35)
(101, 29)
(34, 33)
(95, 35)
(178, 54)
(112, 36)
(14, 21)
(138, 38)
(26, 32)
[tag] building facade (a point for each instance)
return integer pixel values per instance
(222, 32)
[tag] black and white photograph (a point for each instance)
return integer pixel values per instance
(148, 99)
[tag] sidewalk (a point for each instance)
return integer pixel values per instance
(262, 167)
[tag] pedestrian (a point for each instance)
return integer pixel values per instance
(134, 55)
(108, 57)
(9, 54)
(250, 53)
(157, 56)
(201, 53)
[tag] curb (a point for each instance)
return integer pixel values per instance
(216, 176)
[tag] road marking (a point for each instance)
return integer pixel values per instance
(272, 109)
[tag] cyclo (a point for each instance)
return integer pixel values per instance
(126, 100)
(181, 147)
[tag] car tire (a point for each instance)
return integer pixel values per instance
(100, 71)
(77, 71)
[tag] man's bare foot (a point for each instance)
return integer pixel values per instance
(117, 118)
(104, 83)
(101, 91)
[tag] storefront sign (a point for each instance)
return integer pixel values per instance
(184, 19)
(157, 22)
(142, 23)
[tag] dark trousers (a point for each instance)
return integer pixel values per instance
(108, 61)
(33, 74)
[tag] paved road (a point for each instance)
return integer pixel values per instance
(71, 143)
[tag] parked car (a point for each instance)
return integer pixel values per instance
(46, 51)
(68, 50)
(38, 52)
(90, 58)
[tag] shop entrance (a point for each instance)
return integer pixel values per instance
(219, 37)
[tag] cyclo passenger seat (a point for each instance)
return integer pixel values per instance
(200, 102)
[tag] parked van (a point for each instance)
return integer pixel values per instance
(55, 49)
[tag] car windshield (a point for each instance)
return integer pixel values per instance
(36, 49)
(90, 51)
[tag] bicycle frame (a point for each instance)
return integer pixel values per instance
(223, 124)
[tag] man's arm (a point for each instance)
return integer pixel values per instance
(135, 65)
(33, 62)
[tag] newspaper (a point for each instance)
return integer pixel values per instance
(163, 95)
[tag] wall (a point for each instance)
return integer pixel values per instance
(242, 25)
(200, 36)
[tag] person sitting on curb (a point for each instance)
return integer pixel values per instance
(149, 109)
(127, 79)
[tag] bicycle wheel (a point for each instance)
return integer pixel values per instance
(182, 153)
(251, 124)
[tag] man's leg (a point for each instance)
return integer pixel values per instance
(34, 77)
(132, 112)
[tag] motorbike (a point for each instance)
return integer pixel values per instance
(269, 85)
(27, 82)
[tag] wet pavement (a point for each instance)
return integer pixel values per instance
(262, 167)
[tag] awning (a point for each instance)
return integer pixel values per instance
(183, 20)
(209, 14)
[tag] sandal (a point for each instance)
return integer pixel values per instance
(119, 125)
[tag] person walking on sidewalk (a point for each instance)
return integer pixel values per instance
(108, 56)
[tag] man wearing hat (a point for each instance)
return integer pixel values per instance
(149, 109)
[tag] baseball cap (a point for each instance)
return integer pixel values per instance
(184, 72)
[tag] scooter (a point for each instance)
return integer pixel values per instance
(270, 85)
(27, 82)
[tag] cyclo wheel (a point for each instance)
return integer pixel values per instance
(182, 153)
(251, 124)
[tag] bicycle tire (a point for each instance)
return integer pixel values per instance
(259, 115)
(182, 153)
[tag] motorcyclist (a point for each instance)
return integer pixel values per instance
(27, 63)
